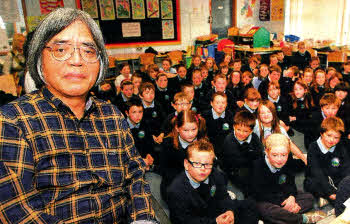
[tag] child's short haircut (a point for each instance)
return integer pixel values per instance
(252, 94)
(223, 65)
(275, 84)
(332, 123)
(301, 43)
(136, 75)
(197, 70)
(152, 67)
(275, 68)
(180, 96)
(218, 94)
(247, 73)
(134, 101)
(168, 60)
(342, 86)
(244, 118)
(181, 66)
(253, 59)
(219, 76)
(237, 60)
(319, 70)
(308, 69)
(185, 85)
(122, 65)
(125, 82)
(277, 140)
(161, 75)
(202, 145)
(329, 99)
(146, 85)
(273, 56)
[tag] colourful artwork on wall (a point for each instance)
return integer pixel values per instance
(168, 29)
(90, 7)
(167, 9)
(138, 9)
(123, 9)
(47, 6)
(107, 10)
(152, 8)
(277, 10)
(247, 8)
(264, 11)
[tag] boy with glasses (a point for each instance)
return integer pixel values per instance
(199, 194)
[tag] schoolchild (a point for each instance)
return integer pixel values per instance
(236, 88)
(195, 64)
(141, 132)
(328, 160)
(241, 147)
(210, 64)
(287, 81)
(283, 62)
(314, 63)
(273, 60)
(302, 57)
(274, 75)
(262, 75)
(224, 69)
(236, 64)
(127, 91)
(163, 94)
(319, 86)
(189, 127)
(188, 89)
(252, 66)
(219, 121)
(330, 72)
(136, 80)
(252, 99)
(307, 76)
(246, 80)
(199, 194)
(333, 81)
(206, 76)
(166, 68)
(125, 73)
(200, 88)
(345, 71)
(151, 73)
(273, 182)
(152, 110)
(342, 93)
(174, 83)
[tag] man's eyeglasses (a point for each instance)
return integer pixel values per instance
(200, 165)
(64, 51)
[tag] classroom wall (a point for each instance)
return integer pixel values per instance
(272, 26)
(194, 17)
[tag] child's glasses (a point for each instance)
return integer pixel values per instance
(200, 165)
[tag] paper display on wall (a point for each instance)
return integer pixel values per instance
(277, 10)
(138, 9)
(131, 29)
(168, 29)
(107, 9)
(247, 8)
(123, 9)
(152, 8)
(9, 11)
(167, 9)
(90, 7)
(46, 6)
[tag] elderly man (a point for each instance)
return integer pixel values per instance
(65, 156)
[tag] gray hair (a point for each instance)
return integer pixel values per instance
(53, 24)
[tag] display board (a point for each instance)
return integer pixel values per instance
(136, 23)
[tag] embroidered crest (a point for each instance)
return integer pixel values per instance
(212, 190)
(279, 108)
(282, 179)
(166, 97)
(154, 114)
(141, 134)
(225, 126)
(335, 162)
(194, 109)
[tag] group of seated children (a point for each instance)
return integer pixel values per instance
(239, 119)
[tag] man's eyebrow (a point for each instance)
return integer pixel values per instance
(88, 43)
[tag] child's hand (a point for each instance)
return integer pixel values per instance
(292, 118)
(240, 103)
(150, 159)
(290, 205)
(349, 136)
(105, 87)
(225, 218)
(333, 197)
(158, 139)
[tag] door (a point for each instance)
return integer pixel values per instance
(221, 13)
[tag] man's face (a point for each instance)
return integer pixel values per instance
(73, 77)
(128, 90)
(330, 110)
(162, 82)
(278, 156)
(148, 95)
(219, 104)
(135, 114)
(199, 174)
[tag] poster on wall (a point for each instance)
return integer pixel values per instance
(167, 9)
(46, 6)
(277, 10)
(33, 21)
(168, 29)
(247, 8)
(107, 9)
(9, 11)
(264, 11)
(138, 9)
(90, 7)
(123, 9)
(152, 8)
(131, 29)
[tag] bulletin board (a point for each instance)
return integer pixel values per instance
(136, 23)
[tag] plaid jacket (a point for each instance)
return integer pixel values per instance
(55, 168)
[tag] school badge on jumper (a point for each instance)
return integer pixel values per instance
(302, 106)
(279, 108)
(201, 93)
(225, 126)
(141, 134)
(282, 179)
(154, 114)
(194, 109)
(212, 190)
(166, 97)
(335, 162)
